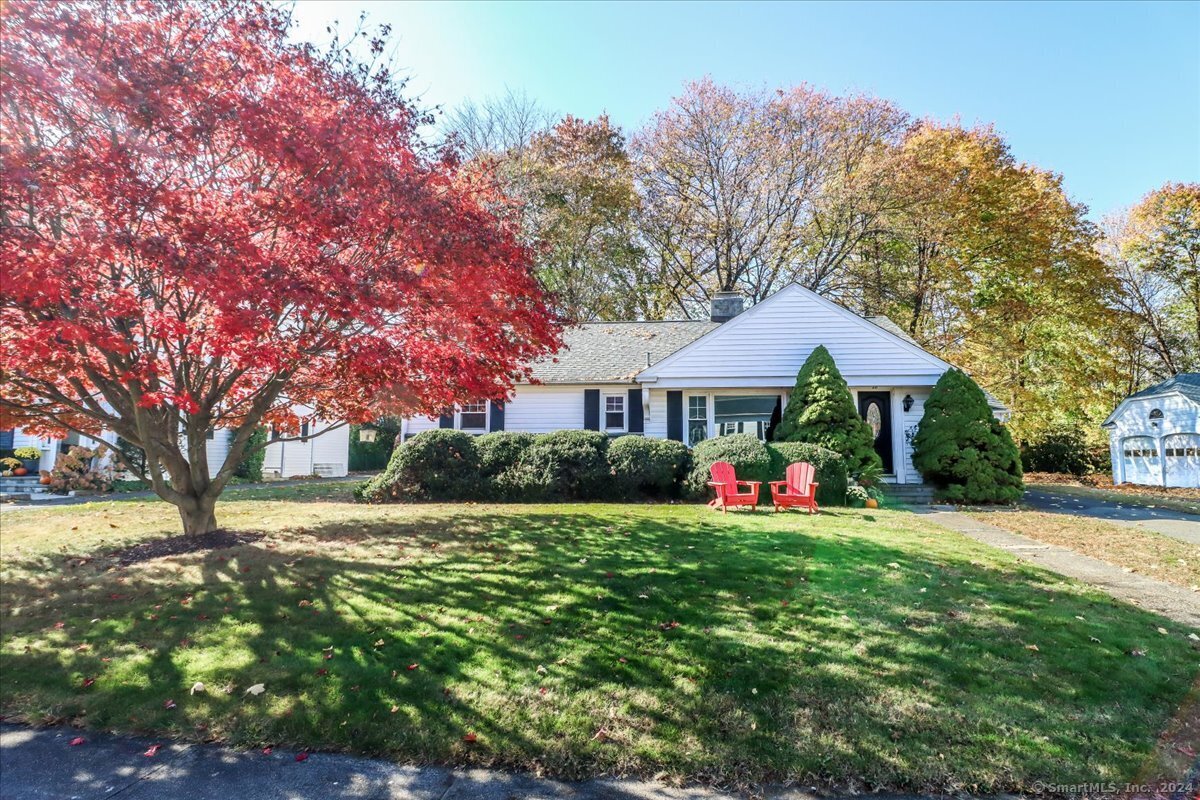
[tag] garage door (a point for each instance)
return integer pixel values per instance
(1181, 451)
(1142, 464)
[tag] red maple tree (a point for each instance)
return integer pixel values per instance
(205, 225)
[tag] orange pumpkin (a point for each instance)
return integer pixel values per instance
(872, 502)
(20, 471)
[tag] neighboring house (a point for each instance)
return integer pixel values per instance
(694, 380)
(327, 454)
(1154, 434)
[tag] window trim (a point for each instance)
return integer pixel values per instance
(604, 398)
(710, 403)
(487, 417)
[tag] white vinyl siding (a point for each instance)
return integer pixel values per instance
(325, 453)
(767, 345)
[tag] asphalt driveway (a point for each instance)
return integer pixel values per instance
(1177, 524)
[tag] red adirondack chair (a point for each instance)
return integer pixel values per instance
(798, 490)
(725, 483)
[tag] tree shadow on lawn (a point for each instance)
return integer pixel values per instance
(601, 640)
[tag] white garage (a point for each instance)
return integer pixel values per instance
(1154, 435)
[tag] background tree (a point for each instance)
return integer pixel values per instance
(204, 225)
(750, 191)
(1154, 250)
(962, 449)
(821, 411)
(989, 264)
(503, 125)
(579, 217)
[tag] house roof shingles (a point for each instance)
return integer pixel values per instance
(1186, 383)
(615, 352)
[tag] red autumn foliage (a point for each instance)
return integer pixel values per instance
(203, 224)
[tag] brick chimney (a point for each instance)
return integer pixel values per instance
(726, 306)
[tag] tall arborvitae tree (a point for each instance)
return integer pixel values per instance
(821, 411)
(962, 449)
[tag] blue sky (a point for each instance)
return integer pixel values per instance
(1108, 94)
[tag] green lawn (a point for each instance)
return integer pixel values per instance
(853, 649)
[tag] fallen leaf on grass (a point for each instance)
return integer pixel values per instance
(411, 667)
(266, 751)
(469, 738)
(168, 704)
(256, 689)
(302, 756)
(1032, 647)
(152, 751)
(1164, 631)
(197, 687)
(88, 682)
(78, 740)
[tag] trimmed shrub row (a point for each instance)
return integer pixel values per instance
(584, 465)
(563, 465)
(755, 461)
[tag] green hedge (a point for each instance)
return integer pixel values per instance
(755, 461)
(373, 455)
(434, 465)
(831, 471)
(748, 455)
(584, 465)
(562, 465)
(648, 467)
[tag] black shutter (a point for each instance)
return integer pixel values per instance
(6, 439)
(446, 421)
(636, 420)
(496, 423)
(776, 416)
(591, 409)
(675, 416)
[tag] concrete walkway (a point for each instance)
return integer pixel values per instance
(41, 764)
(1177, 524)
(1173, 602)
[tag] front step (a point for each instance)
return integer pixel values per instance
(20, 488)
(910, 493)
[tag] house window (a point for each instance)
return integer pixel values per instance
(614, 412)
(210, 434)
(697, 419)
(750, 414)
(473, 416)
(304, 432)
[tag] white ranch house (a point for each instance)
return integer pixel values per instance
(327, 454)
(1154, 434)
(693, 380)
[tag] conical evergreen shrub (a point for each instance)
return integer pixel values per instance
(821, 411)
(962, 449)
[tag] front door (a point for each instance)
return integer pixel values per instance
(876, 409)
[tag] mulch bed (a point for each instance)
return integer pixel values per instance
(177, 545)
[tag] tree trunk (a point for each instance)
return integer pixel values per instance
(199, 517)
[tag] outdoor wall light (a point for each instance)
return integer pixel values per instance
(366, 434)
(908, 402)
